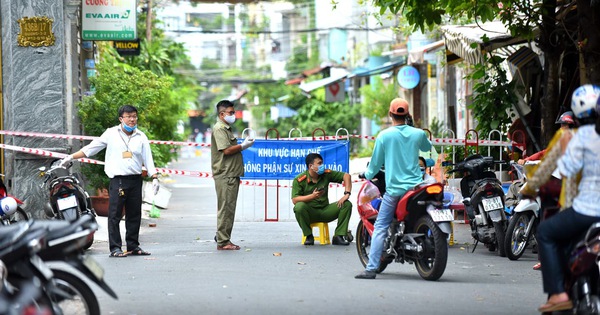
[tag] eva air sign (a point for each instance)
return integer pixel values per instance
(108, 20)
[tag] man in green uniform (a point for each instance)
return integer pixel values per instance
(311, 204)
(227, 168)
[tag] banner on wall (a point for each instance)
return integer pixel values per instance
(284, 159)
(104, 20)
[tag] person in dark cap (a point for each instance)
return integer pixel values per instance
(396, 147)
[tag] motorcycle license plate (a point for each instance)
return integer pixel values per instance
(492, 204)
(439, 215)
(91, 264)
(66, 203)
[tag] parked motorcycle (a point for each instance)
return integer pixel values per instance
(483, 198)
(10, 206)
(523, 222)
(57, 242)
(19, 248)
(68, 199)
(417, 235)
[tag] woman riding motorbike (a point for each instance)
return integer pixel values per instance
(581, 153)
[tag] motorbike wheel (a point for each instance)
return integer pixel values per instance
(431, 264)
(82, 301)
(516, 241)
(500, 235)
(363, 245)
(19, 215)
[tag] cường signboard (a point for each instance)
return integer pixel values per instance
(284, 159)
(106, 20)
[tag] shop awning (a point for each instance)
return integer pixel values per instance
(311, 86)
(459, 38)
(306, 73)
(417, 55)
(386, 67)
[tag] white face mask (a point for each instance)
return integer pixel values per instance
(230, 119)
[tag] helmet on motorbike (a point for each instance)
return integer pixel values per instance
(566, 118)
(584, 100)
(8, 206)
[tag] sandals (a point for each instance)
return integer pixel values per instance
(555, 307)
(229, 246)
(117, 253)
(139, 252)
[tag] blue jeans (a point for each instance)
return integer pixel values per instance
(553, 235)
(384, 218)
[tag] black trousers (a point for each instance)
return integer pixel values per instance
(131, 199)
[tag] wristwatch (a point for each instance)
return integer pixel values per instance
(347, 193)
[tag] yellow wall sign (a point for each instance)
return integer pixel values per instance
(36, 31)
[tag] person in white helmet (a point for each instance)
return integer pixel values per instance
(581, 154)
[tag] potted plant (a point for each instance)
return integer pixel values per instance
(119, 84)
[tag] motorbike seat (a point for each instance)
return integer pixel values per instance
(11, 233)
(59, 228)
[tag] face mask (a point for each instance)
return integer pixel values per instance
(321, 169)
(230, 119)
(129, 129)
(422, 171)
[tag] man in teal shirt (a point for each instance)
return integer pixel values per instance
(309, 195)
(396, 147)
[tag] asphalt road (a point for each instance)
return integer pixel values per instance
(274, 274)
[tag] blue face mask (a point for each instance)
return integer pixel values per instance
(129, 129)
(422, 171)
(321, 169)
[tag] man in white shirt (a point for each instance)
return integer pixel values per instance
(127, 150)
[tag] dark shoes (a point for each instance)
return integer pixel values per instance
(366, 275)
(339, 240)
(310, 240)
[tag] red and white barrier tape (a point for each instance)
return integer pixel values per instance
(435, 141)
(160, 170)
(78, 137)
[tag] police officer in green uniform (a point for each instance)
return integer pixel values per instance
(311, 204)
(227, 168)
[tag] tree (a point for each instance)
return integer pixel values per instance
(128, 85)
(555, 24)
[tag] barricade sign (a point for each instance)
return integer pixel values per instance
(284, 159)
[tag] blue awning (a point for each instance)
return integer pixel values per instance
(386, 67)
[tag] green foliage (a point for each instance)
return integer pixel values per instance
(312, 113)
(158, 109)
(493, 95)
(436, 127)
(377, 98)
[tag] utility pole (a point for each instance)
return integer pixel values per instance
(149, 21)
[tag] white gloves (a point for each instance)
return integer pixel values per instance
(155, 186)
(248, 142)
(64, 162)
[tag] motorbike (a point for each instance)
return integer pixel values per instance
(26, 279)
(68, 200)
(523, 222)
(582, 276)
(58, 242)
(484, 201)
(418, 234)
(8, 214)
